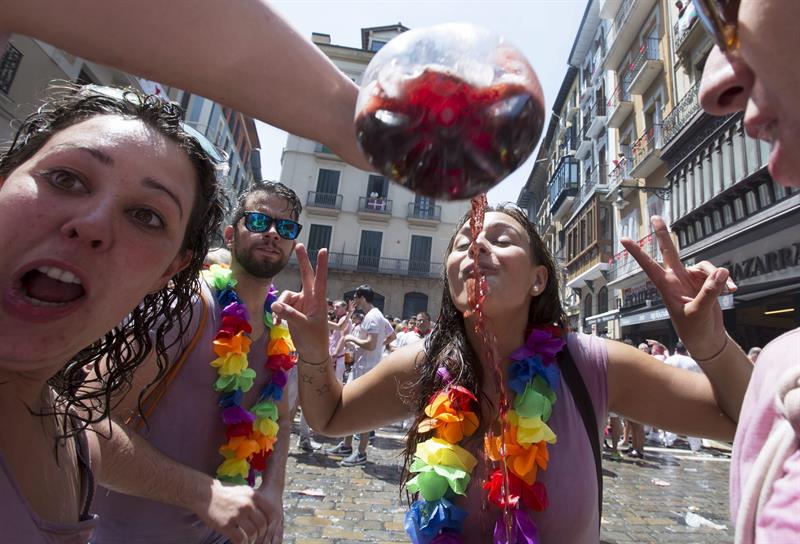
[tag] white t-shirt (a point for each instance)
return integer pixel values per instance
(683, 361)
(373, 323)
(408, 338)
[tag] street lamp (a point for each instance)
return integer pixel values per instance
(663, 193)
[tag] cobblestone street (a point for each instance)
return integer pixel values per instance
(646, 500)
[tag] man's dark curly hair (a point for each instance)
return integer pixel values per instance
(89, 398)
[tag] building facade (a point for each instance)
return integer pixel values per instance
(376, 232)
(643, 147)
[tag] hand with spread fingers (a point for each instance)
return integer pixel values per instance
(306, 312)
(689, 293)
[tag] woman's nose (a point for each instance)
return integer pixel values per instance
(726, 84)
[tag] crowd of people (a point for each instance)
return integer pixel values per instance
(151, 388)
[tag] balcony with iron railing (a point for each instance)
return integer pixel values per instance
(323, 203)
(596, 181)
(589, 264)
(681, 114)
(619, 103)
(685, 30)
(348, 262)
(624, 270)
(10, 60)
(563, 185)
(376, 207)
(598, 118)
(585, 142)
(645, 66)
(426, 213)
(621, 172)
(625, 28)
(647, 152)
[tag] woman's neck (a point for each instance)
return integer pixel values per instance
(24, 392)
(508, 333)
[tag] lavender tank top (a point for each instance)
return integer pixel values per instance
(186, 426)
(570, 478)
(18, 521)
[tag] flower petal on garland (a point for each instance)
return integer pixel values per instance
(237, 414)
(532, 496)
(266, 409)
(448, 538)
(226, 296)
(243, 381)
(266, 426)
(272, 392)
(450, 423)
(521, 372)
(525, 531)
(436, 451)
(531, 430)
(280, 362)
(232, 324)
(531, 403)
(233, 398)
(238, 344)
(524, 461)
(432, 481)
(425, 520)
(234, 468)
(219, 277)
(540, 342)
(235, 309)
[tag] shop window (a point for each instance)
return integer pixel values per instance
(602, 300)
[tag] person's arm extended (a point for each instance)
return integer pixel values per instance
(369, 343)
(290, 83)
(370, 401)
(650, 392)
(132, 466)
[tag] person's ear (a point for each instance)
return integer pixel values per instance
(539, 280)
(180, 262)
(228, 235)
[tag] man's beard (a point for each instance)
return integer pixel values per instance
(263, 269)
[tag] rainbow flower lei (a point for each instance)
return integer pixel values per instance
(443, 468)
(250, 434)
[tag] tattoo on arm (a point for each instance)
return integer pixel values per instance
(307, 378)
(324, 389)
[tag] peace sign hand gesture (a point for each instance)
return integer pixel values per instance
(689, 293)
(306, 312)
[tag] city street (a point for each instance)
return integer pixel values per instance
(645, 500)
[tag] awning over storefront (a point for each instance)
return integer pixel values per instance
(605, 317)
(661, 313)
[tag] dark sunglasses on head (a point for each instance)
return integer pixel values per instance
(720, 19)
(260, 222)
(216, 155)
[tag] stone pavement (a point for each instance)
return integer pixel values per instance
(645, 500)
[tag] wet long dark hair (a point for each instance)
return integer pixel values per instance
(448, 345)
(88, 398)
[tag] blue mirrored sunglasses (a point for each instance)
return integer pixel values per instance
(215, 154)
(261, 222)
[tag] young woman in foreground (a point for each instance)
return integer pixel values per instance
(106, 208)
(448, 385)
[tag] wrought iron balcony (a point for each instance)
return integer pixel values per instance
(619, 103)
(623, 265)
(564, 183)
(645, 158)
(377, 265)
(682, 113)
(683, 28)
(375, 204)
(430, 212)
(622, 168)
(597, 180)
(645, 66)
(324, 200)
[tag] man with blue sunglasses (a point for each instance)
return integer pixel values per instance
(184, 425)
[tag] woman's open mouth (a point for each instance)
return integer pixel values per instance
(44, 293)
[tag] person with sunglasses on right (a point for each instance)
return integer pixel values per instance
(753, 68)
(191, 417)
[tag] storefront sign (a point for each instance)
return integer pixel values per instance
(765, 263)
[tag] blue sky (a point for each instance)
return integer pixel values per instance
(542, 29)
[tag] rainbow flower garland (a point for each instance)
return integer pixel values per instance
(443, 468)
(251, 434)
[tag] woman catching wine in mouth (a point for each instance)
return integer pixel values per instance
(479, 467)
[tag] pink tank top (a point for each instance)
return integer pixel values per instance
(186, 425)
(571, 480)
(20, 524)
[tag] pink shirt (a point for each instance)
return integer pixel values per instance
(571, 480)
(779, 519)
